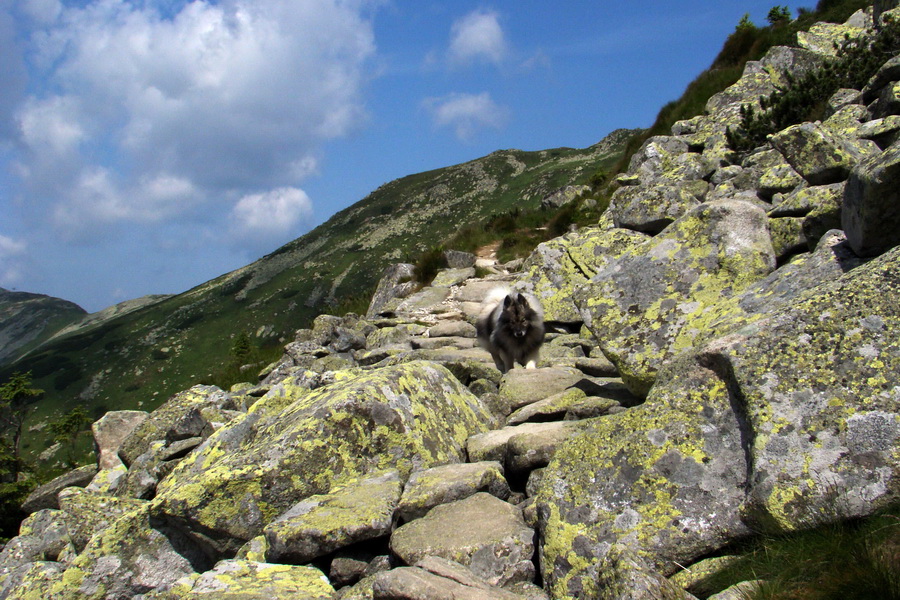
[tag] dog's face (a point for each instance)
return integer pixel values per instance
(518, 315)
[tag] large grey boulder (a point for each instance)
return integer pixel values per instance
(134, 555)
(818, 155)
(737, 437)
(396, 282)
(482, 532)
(184, 415)
(45, 496)
(639, 305)
(406, 417)
(871, 210)
(449, 483)
(322, 524)
(556, 267)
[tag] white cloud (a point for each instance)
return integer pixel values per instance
(478, 36)
(466, 114)
(145, 110)
(12, 253)
(269, 219)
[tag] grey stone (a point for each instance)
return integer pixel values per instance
(449, 483)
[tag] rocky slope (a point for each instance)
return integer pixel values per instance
(28, 320)
(136, 359)
(723, 360)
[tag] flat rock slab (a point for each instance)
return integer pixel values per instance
(482, 532)
(246, 580)
(525, 386)
(45, 496)
(552, 408)
(449, 483)
(435, 579)
(324, 523)
(526, 445)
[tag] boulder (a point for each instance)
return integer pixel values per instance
(45, 496)
(248, 580)
(48, 526)
(818, 155)
(548, 409)
(564, 196)
(651, 208)
(520, 387)
(110, 432)
(451, 277)
(321, 524)
(482, 532)
(406, 417)
(737, 437)
(435, 578)
(459, 260)
(396, 282)
(134, 555)
(449, 483)
(86, 513)
(640, 304)
(31, 580)
(871, 211)
(182, 416)
(556, 267)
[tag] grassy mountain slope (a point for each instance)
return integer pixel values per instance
(138, 359)
(28, 320)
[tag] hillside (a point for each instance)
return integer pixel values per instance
(28, 320)
(139, 358)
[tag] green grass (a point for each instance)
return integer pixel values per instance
(847, 560)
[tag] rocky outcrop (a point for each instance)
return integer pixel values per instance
(722, 359)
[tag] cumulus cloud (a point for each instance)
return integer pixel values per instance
(145, 110)
(478, 36)
(269, 219)
(466, 114)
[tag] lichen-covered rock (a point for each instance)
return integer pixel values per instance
(788, 237)
(407, 417)
(789, 421)
(87, 513)
(638, 306)
(319, 525)
(666, 478)
(822, 38)
(482, 532)
(651, 208)
(45, 496)
(818, 155)
(49, 526)
(396, 282)
(172, 416)
(520, 387)
(450, 277)
(871, 210)
(449, 483)
(134, 555)
(248, 580)
(558, 266)
(31, 581)
(556, 406)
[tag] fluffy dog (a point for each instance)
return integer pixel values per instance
(511, 327)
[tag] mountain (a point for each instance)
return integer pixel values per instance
(28, 320)
(136, 358)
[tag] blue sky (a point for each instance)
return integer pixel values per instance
(147, 146)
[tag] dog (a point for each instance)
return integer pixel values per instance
(511, 327)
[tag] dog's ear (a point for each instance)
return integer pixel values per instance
(508, 300)
(523, 301)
